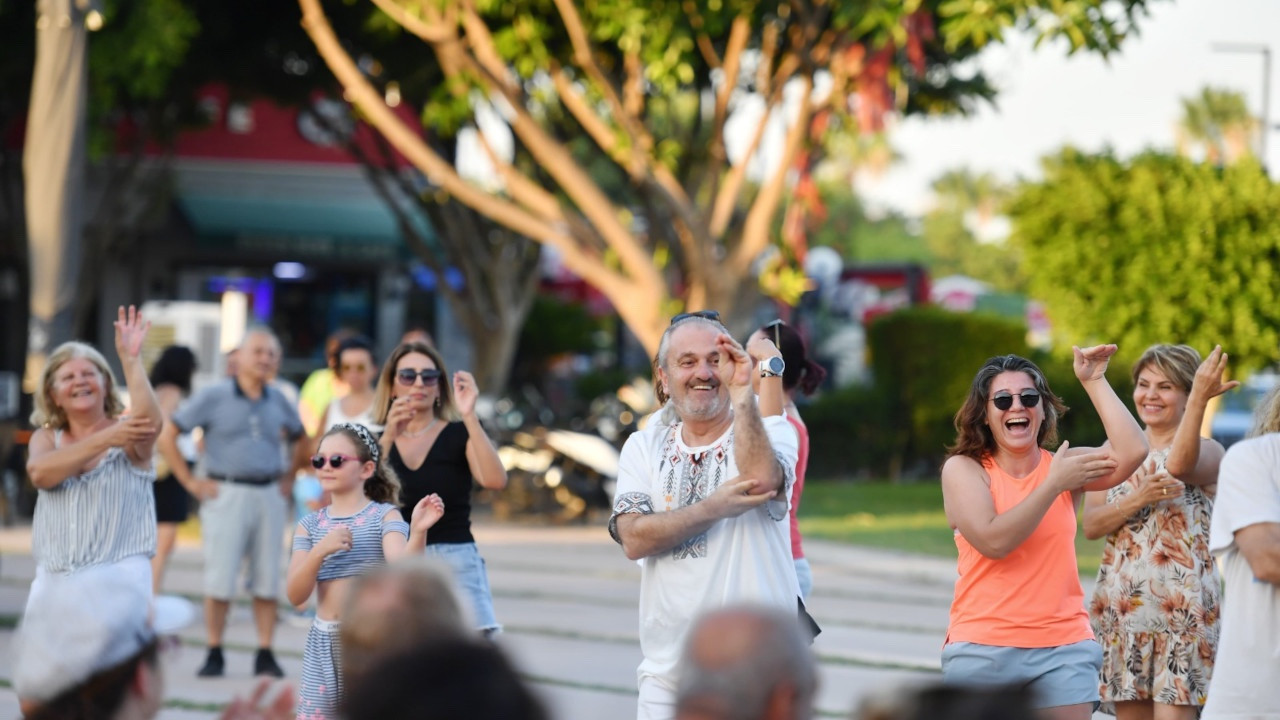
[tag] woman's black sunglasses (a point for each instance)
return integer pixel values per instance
(408, 376)
(1004, 401)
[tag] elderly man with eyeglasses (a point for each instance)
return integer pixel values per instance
(247, 424)
(701, 498)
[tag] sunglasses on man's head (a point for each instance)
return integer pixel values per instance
(1004, 400)
(335, 460)
(705, 314)
(408, 376)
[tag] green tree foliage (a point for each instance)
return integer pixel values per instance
(1219, 122)
(963, 200)
(644, 88)
(923, 393)
(1155, 249)
(847, 228)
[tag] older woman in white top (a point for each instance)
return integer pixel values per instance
(91, 464)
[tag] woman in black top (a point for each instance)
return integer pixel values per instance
(433, 452)
(171, 378)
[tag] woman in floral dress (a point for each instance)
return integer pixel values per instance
(1155, 607)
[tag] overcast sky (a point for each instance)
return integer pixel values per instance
(1047, 100)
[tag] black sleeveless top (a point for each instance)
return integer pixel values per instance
(446, 473)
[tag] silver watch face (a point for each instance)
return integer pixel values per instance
(772, 366)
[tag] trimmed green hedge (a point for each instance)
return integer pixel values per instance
(923, 361)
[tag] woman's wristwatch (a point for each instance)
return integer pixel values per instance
(772, 367)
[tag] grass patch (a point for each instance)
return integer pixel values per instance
(905, 517)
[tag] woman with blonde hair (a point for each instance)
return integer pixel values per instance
(434, 453)
(1155, 607)
(92, 465)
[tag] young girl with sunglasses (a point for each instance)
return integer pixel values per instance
(433, 452)
(1018, 615)
(361, 528)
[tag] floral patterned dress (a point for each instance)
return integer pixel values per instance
(1155, 608)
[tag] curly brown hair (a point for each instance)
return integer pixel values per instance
(973, 437)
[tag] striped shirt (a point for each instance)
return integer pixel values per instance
(102, 516)
(368, 527)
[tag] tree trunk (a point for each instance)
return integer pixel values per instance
(14, 278)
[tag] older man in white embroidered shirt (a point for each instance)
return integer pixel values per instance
(703, 500)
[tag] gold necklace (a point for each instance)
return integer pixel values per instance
(424, 430)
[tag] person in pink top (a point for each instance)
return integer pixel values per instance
(800, 374)
(1018, 617)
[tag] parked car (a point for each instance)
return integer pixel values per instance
(1235, 415)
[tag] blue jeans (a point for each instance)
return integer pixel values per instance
(473, 581)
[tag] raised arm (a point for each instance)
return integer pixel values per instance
(482, 457)
(1126, 442)
(48, 466)
(642, 532)
(1194, 459)
(771, 397)
(970, 509)
(426, 513)
(131, 331)
(752, 450)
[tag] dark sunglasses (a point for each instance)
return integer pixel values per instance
(408, 376)
(705, 314)
(361, 367)
(1004, 401)
(335, 460)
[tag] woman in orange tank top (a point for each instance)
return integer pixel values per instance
(1018, 616)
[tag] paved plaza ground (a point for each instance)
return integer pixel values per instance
(568, 600)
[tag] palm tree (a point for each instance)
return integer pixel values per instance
(1219, 121)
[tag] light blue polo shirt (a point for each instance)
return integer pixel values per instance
(242, 437)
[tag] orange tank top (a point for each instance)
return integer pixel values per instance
(1031, 598)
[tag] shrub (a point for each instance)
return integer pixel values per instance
(924, 359)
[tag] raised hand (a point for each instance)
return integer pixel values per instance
(131, 331)
(465, 393)
(761, 347)
(1071, 472)
(337, 540)
(1208, 382)
(426, 513)
(735, 365)
(398, 417)
(1091, 363)
(738, 495)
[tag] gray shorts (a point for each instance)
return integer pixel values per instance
(243, 521)
(1063, 675)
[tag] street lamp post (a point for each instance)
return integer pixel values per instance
(1265, 51)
